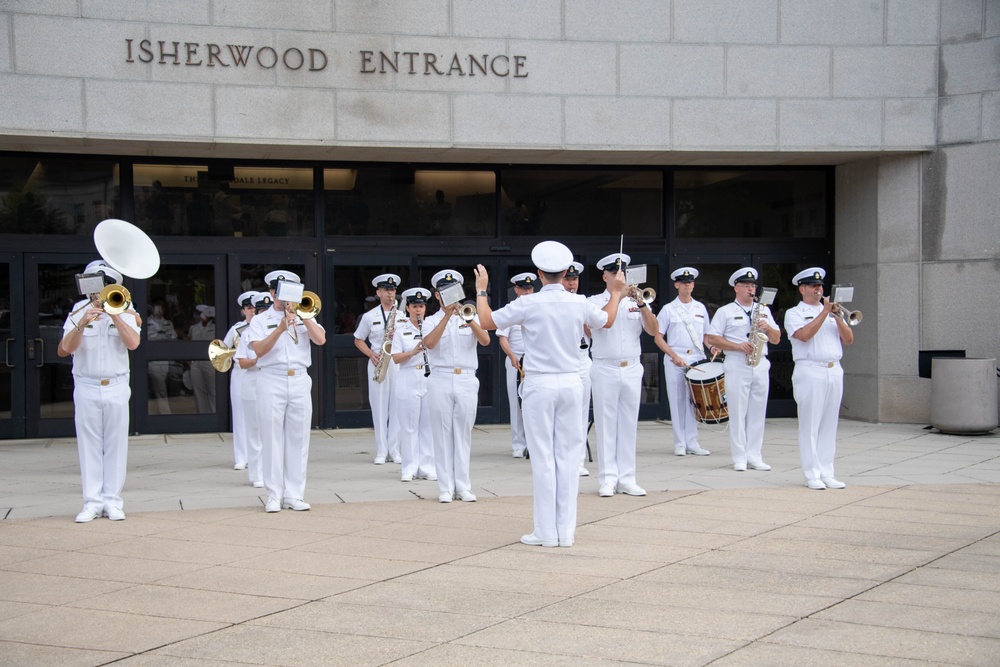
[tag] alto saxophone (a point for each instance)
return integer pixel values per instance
(757, 337)
(385, 358)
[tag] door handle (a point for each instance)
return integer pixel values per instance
(41, 346)
(6, 350)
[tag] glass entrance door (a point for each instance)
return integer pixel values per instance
(12, 371)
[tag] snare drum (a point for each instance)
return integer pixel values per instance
(707, 382)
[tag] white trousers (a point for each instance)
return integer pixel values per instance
(284, 409)
(453, 404)
(746, 398)
(203, 386)
(101, 418)
(817, 391)
(584, 374)
(380, 398)
(236, 401)
(682, 420)
(553, 428)
(411, 410)
(518, 440)
(616, 417)
(251, 427)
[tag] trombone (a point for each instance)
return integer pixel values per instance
(114, 299)
(307, 308)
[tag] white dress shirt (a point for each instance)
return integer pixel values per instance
(102, 354)
(621, 341)
(285, 354)
(824, 346)
(457, 347)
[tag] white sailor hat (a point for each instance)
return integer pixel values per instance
(246, 299)
(100, 266)
(387, 280)
(447, 277)
(524, 280)
(811, 276)
(416, 295)
(575, 270)
(685, 274)
(614, 262)
(747, 274)
(274, 276)
(551, 256)
(207, 311)
(262, 300)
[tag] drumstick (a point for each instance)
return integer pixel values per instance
(695, 368)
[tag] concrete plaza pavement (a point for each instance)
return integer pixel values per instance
(712, 567)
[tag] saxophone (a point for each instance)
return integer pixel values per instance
(757, 337)
(385, 358)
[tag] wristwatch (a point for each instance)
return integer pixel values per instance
(483, 293)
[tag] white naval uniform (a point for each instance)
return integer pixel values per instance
(818, 386)
(616, 382)
(746, 387)
(552, 321)
(284, 405)
(675, 332)
(372, 327)
(411, 407)
(248, 399)
(454, 397)
(202, 372)
(101, 394)
(235, 398)
(516, 342)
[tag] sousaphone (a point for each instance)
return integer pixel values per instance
(129, 251)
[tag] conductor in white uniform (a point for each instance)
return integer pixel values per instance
(552, 321)
(284, 396)
(100, 343)
(818, 336)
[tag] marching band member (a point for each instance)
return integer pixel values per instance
(513, 347)
(681, 337)
(100, 343)
(571, 281)
(746, 386)
(616, 379)
(247, 361)
(453, 389)
(373, 326)
(284, 396)
(818, 336)
(410, 407)
(551, 321)
(245, 302)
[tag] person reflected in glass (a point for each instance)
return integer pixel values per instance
(202, 371)
(159, 328)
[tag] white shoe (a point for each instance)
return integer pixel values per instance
(114, 513)
(240, 466)
(396, 458)
(272, 505)
(518, 454)
(379, 460)
(758, 465)
(631, 489)
(565, 543)
(87, 515)
(406, 478)
(606, 491)
(740, 467)
(466, 496)
(295, 504)
(698, 451)
(431, 478)
(533, 541)
(815, 484)
(679, 451)
(257, 485)
(832, 483)
(584, 472)
(445, 498)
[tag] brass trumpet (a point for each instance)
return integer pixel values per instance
(647, 294)
(852, 318)
(221, 356)
(467, 312)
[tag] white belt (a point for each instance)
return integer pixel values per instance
(418, 367)
(101, 382)
(818, 364)
(290, 372)
(617, 363)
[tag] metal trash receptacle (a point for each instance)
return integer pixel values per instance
(964, 395)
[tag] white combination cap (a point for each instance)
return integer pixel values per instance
(207, 311)
(387, 280)
(246, 299)
(524, 279)
(274, 276)
(614, 262)
(575, 270)
(447, 277)
(551, 256)
(747, 274)
(811, 276)
(263, 300)
(685, 274)
(416, 295)
(100, 266)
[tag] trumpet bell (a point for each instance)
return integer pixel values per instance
(467, 312)
(126, 248)
(854, 318)
(115, 299)
(648, 295)
(310, 305)
(220, 356)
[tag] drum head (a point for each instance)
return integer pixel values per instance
(705, 371)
